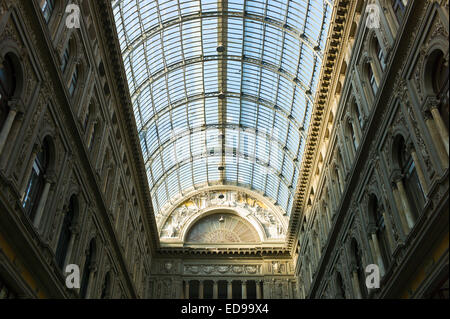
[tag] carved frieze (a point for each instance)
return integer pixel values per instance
(248, 207)
(222, 269)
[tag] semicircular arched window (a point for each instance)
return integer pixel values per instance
(36, 181)
(222, 228)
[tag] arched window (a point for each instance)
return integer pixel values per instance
(413, 187)
(65, 58)
(86, 116)
(106, 287)
(358, 114)
(357, 258)
(399, 7)
(47, 8)
(352, 136)
(380, 55)
(36, 181)
(439, 73)
(90, 259)
(377, 218)
(92, 137)
(66, 233)
(73, 81)
(338, 180)
(7, 86)
(439, 78)
(371, 78)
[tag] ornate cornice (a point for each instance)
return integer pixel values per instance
(225, 252)
(126, 116)
(333, 54)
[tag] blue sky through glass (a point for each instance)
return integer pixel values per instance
(234, 118)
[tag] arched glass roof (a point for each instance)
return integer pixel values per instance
(222, 90)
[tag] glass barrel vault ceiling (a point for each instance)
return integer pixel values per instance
(222, 90)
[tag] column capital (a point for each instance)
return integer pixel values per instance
(93, 268)
(396, 176)
(16, 104)
(353, 267)
(372, 229)
(75, 229)
(36, 147)
(50, 178)
(427, 116)
(410, 147)
(432, 102)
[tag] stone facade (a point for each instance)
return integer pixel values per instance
(250, 278)
(379, 192)
(373, 187)
(65, 129)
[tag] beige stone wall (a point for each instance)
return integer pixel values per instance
(357, 160)
(273, 277)
(90, 159)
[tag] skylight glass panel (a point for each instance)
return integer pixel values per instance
(195, 87)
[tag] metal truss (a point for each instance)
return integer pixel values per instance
(216, 74)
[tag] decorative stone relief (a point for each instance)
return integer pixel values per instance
(208, 269)
(247, 206)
